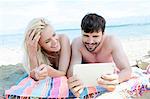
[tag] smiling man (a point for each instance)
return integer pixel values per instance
(94, 46)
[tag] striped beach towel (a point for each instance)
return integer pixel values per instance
(47, 88)
(58, 88)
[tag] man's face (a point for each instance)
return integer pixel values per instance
(91, 40)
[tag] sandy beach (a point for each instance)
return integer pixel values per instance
(136, 48)
(11, 60)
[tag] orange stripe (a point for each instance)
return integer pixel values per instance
(28, 90)
(92, 90)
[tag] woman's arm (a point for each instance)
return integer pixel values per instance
(31, 44)
(64, 58)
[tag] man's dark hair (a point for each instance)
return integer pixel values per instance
(93, 23)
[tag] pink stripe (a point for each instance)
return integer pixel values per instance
(6, 97)
(132, 82)
(28, 90)
(55, 88)
(63, 89)
(91, 90)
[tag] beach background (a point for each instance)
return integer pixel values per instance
(129, 20)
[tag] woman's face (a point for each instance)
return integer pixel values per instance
(49, 41)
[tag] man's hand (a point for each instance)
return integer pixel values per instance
(75, 85)
(108, 81)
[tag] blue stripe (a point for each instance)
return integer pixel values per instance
(101, 89)
(84, 92)
(51, 84)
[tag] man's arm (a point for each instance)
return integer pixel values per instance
(76, 57)
(75, 85)
(122, 63)
(120, 60)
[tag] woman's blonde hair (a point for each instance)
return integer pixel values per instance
(38, 24)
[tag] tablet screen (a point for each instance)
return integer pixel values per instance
(88, 73)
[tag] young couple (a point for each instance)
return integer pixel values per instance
(50, 54)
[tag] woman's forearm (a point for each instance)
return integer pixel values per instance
(55, 73)
(33, 61)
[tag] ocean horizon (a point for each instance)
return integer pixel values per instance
(124, 30)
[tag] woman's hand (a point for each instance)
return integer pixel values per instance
(108, 81)
(75, 85)
(41, 72)
(32, 42)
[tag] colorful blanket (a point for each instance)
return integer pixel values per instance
(58, 88)
(47, 88)
(138, 84)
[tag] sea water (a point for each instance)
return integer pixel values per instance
(129, 31)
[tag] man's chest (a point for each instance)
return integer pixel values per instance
(101, 56)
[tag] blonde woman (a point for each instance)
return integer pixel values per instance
(47, 60)
(48, 53)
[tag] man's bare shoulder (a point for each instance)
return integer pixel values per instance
(111, 39)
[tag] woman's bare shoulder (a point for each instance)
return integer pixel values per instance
(63, 37)
(64, 40)
(77, 42)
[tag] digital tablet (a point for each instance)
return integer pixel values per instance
(88, 73)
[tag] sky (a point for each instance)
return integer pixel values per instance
(16, 14)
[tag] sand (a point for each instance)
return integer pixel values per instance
(136, 48)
